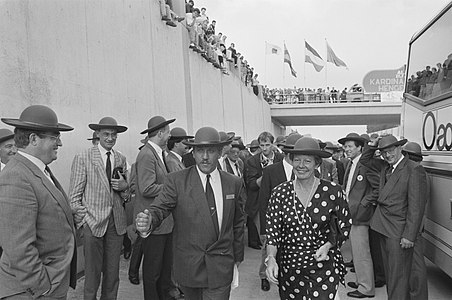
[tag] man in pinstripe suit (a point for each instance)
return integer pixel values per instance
(97, 183)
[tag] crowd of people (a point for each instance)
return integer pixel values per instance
(191, 197)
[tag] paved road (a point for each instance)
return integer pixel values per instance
(440, 285)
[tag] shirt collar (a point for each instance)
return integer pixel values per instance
(177, 155)
(104, 151)
(36, 161)
(397, 163)
(156, 147)
(287, 165)
(356, 159)
(214, 175)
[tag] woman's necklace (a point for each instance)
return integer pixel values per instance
(314, 185)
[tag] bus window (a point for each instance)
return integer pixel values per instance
(430, 62)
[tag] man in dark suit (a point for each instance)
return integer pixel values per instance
(98, 182)
(399, 213)
(207, 206)
(333, 149)
(272, 176)
(327, 169)
(176, 149)
(232, 162)
(151, 172)
(361, 189)
(253, 177)
(36, 222)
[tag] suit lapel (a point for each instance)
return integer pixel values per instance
(355, 174)
(388, 187)
(99, 166)
(157, 159)
(228, 189)
(197, 194)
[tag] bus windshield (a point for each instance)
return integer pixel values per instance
(430, 60)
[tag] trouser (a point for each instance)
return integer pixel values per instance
(102, 257)
(418, 277)
(221, 293)
(157, 265)
(397, 263)
(27, 296)
(377, 258)
(362, 260)
(263, 267)
(253, 233)
(135, 259)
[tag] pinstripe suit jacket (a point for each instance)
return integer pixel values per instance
(89, 186)
(36, 232)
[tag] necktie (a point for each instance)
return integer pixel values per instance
(55, 182)
(348, 181)
(108, 167)
(389, 173)
(237, 168)
(164, 161)
(211, 202)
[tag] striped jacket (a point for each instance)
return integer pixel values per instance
(89, 186)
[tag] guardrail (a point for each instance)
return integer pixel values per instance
(308, 98)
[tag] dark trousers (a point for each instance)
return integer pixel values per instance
(102, 257)
(418, 278)
(135, 259)
(377, 258)
(157, 265)
(397, 263)
(221, 293)
(253, 234)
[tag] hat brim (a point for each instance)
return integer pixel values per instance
(355, 139)
(92, 139)
(320, 153)
(163, 124)
(35, 126)
(118, 128)
(414, 153)
(192, 143)
(184, 137)
(7, 137)
(398, 143)
(240, 147)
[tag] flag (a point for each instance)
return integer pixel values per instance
(288, 61)
(272, 49)
(332, 57)
(313, 57)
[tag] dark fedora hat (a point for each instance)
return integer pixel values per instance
(280, 139)
(206, 137)
(157, 122)
(38, 117)
(322, 145)
(5, 134)
(237, 144)
(353, 137)
(108, 123)
(178, 133)
(413, 148)
(253, 145)
(291, 140)
(366, 137)
(95, 137)
(331, 146)
(308, 146)
(226, 136)
(389, 141)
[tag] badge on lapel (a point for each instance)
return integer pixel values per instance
(359, 178)
(230, 197)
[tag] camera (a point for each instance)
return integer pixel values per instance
(116, 171)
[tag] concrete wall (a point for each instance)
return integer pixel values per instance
(90, 59)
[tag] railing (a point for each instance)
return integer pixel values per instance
(308, 98)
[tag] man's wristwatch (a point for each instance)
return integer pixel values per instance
(268, 258)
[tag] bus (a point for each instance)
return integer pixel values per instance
(427, 119)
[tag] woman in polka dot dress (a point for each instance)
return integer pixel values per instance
(308, 220)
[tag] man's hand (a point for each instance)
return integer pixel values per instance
(143, 221)
(405, 244)
(120, 184)
(78, 213)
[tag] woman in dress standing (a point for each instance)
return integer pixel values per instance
(308, 220)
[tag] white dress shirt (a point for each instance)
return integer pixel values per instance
(103, 154)
(2, 166)
(157, 149)
(288, 169)
(354, 162)
(38, 163)
(215, 182)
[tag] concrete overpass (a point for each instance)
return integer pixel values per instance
(385, 114)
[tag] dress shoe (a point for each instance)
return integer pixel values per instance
(257, 247)
(349, 264)
(134, 280)
(358, 294)
(352, 270)
(379, 284)
(353, 285)
(171, 23)
(127, 254)
(265, 285)
(180, 19)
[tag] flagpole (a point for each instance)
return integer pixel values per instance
(304, 69)
(326, 65)
(284, 66)
(265, 67)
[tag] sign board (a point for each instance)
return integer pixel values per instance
(383, 81)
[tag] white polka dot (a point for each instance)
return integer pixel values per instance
(332, 197)
(324, 287)
(316, 294)
(323, 218)
(319, 279)
(324, 203)
(331, 279)
(316, 210)
(325, 188)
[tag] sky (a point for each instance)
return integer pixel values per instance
(366, 34)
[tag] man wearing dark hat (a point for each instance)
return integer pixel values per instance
(98, 183)
(253, 178)
(7, 147)
(361, 191)
(272, 176)
(207, 205)
(232, 162)
(327, 169)
(177, 149)
(94, 139)
(253, 147)
(333, 149)
(36, 222)
(399, 213)
(151, 172)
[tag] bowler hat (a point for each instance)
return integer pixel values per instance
(38, 117)
(331, 146)
(353, 137)
(366, 137)
(253, 145)
(237, 144)
(95, 137)
(178, 133)
(207, 137)
(280, 140)
(308, 146)
(291, 140)
(322, 145)
(226, 136)
(157, 122)
(413, 148)
(389, 141)
(5, 134)
(108, 123)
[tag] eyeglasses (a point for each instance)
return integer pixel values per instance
(55, 138)
(388, 151)
(113, 135)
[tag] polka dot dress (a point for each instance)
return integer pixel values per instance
(298, 232)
